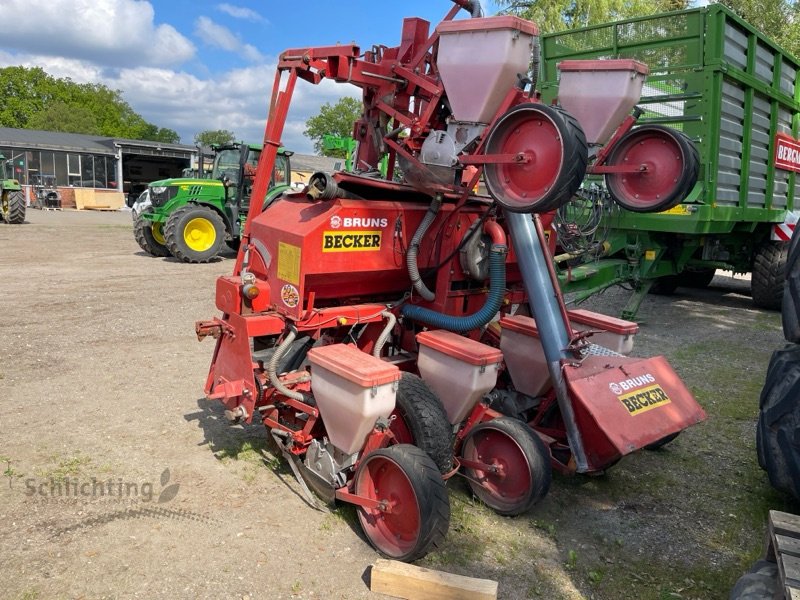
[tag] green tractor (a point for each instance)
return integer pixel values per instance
(190, 219)
(12, 199)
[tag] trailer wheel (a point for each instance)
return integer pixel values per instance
(759, 583)
(420, 419)
(778, 428)
(699, 279)
(408, 481)
(194, 233)
(13, 207)
(769, 271)
(523, 460)
(672, 165)
(790, 309)
(150, 237)
(557, 146)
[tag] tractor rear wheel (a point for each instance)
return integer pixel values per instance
(769, 272)
(150, 237)
(13, 206)
(420, 419)
(406, 479)
(790, 310)
(523, 463)
(194, 233)
(557, 156)
(672, 162)
(778, 427)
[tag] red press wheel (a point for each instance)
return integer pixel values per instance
(672, 165)
(406, 479)
(523, 463)
(556, 146)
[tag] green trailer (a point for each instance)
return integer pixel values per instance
(733, 92)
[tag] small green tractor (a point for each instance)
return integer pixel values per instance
(12, 199)
(190, 219)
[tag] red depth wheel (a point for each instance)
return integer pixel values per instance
(522, 462)
(418, 512)
(556, 149)
(671, 167)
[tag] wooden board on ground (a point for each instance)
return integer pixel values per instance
(784, 546)
(416, 583)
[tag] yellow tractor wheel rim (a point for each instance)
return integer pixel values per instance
(199, 234)
(158, 234)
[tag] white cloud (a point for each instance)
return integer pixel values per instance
(114, 33)
(237, 100)
(218, 36)
(240, 12)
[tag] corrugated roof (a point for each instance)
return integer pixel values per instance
(311, 162)
(77, 142)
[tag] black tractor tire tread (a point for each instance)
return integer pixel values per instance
(778, 427)
(759, 583)
(538, 457)
(688, 176)
(769, 273)
(790, 308)
(143, 233)
(425, 417)
(16, 207)
(576, 157)
(433, 500)
(175, 242)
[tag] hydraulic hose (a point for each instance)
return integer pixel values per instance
(272, 367)
(387, 331)
(494, 300)
(413, 249)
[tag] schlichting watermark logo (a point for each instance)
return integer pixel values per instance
(73, 488)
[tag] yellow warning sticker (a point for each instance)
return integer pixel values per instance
(351, 241)
(289, 263)
(644, 399)
(681, 209)
(649, 254)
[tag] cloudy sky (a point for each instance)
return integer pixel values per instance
(192, 65)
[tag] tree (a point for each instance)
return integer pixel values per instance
(336, 119)
(779, 19)
(558, 15)
(32, 99)
(215, 136)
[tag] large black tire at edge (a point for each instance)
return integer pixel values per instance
(16, 207)
(769, 272)
(573, 164)
(174, 233)
(431, 498)
(790, 310)
(778, 428)
(422, 413)
(143, 233)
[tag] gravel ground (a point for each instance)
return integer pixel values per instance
(102, 378)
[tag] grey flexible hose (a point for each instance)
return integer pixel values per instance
(272, 367)
(387, 331)
(413, 249)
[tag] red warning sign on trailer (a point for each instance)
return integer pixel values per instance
(787, 153)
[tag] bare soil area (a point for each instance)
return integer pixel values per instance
(120, 480)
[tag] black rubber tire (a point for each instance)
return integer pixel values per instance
(537, 457)
(422, 413)
(143, 232)
(688, 177)
(699, 279)
(769, 274)
(665, 286)
(431, 499)
(778, 427)
(173, 232)
(790, 309)
(657, 445)
(15, 200)
(573, 166)
(759, 583)
(234, 244)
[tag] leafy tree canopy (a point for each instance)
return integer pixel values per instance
(336, 119)
(33, 99)
(215, 136)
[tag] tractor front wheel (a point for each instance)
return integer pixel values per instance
(150, 237)
(409, 483)
(519, 470)
(194, 233)
(13, 206)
